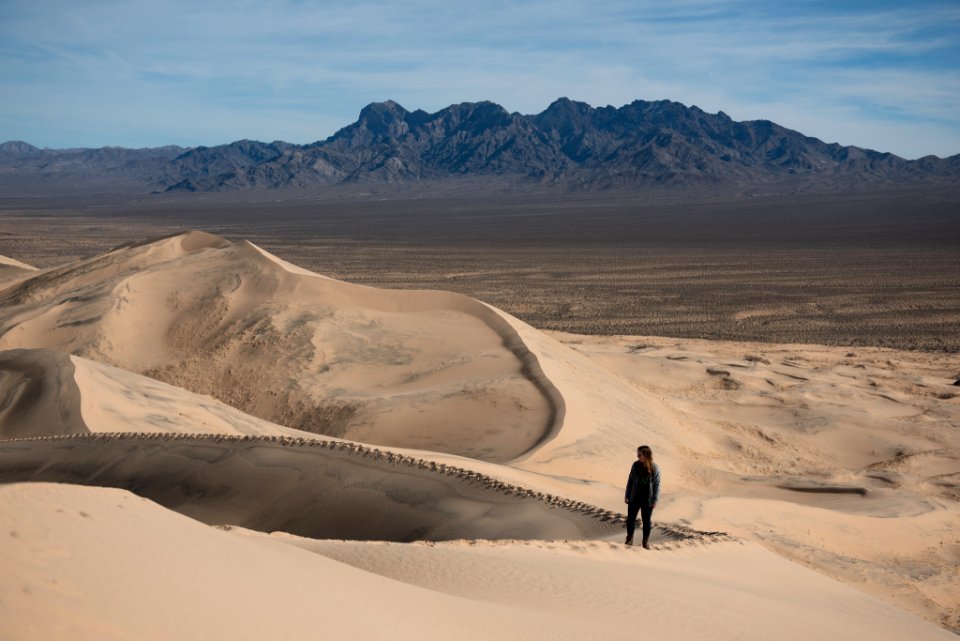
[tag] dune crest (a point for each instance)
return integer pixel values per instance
(14, 265)
(310, 487)
(429, 370)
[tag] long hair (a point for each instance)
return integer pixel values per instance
(647, 457)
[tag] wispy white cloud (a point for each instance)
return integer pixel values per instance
(284, 69)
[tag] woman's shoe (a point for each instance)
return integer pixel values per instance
(629, 541)
(646, 546)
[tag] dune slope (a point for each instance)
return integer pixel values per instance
(39, 395)
(200, 583)
(308, 352)
(845, 460)
(320, 489)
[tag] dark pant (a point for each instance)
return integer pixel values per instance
(646, 513)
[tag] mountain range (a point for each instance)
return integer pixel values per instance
(570, 144)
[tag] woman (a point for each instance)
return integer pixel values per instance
(642, 493)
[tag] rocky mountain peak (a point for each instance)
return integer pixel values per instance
(17, 147)
(378, 122)
(570, 144)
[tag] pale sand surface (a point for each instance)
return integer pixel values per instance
(96, 563)
(11, 266)
(846, 461)
(116, 400)
(307, 352)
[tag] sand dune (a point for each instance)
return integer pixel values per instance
(125, 568)
(38, 395)
(117, 405)
(685, 586)
(320, 489)
(847, 461)
(132, 420)
(132, 414)
(281, 400)
(47, 393)
(304, 351)
(11, 268)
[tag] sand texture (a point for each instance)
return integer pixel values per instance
(845, 460)
(304, 351)
(421, 464)
(120, 556)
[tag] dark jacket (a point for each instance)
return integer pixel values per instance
(643, 488)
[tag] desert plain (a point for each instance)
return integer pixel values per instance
(237, 417)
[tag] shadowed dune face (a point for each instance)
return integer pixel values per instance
(311, 488)
(428, 370)
(38, 393)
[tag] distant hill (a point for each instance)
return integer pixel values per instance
(570, 145)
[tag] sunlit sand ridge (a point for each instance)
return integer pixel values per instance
(305, 351)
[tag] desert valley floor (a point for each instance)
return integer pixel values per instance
(201, 440)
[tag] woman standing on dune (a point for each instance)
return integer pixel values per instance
(642, 493)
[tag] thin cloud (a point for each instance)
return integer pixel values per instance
(266, 69)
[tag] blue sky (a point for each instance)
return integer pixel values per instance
(878, 74)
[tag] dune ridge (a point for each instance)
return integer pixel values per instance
(315, 354)
(280, 482)
(496, 319)
(14, 266)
